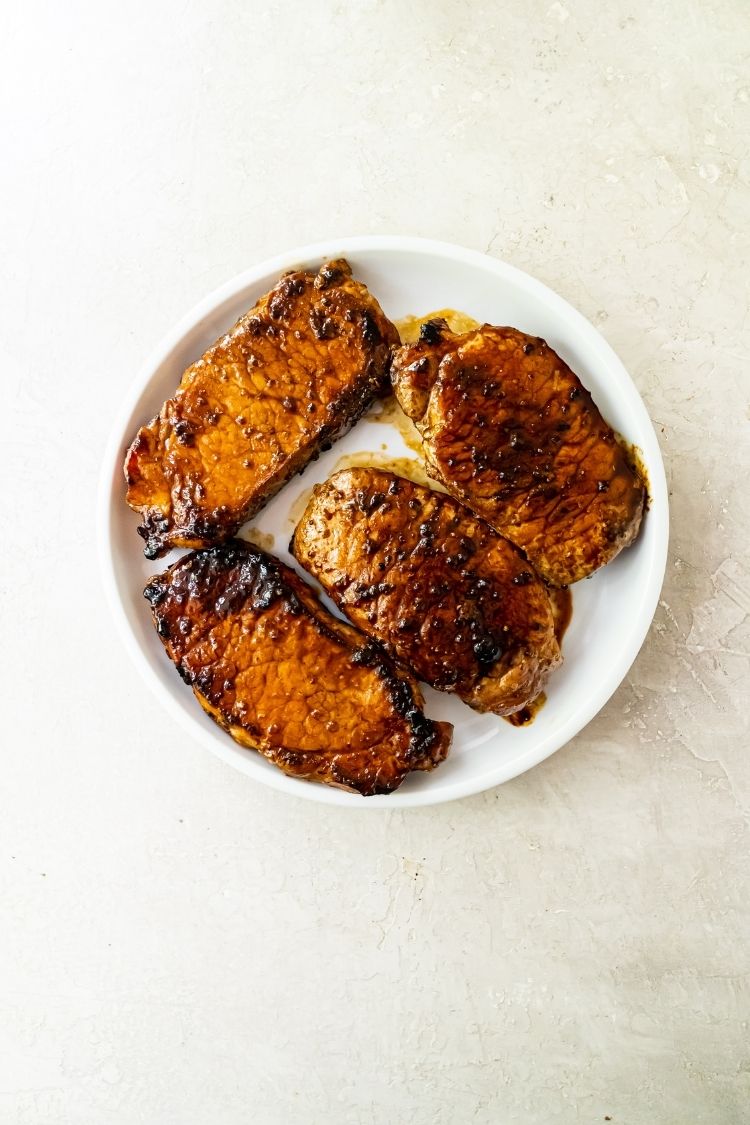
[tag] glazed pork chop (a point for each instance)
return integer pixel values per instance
(291, 376)
(510, 431)
(444, 594)
(285, 678)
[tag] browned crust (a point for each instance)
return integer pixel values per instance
(284, 677)
(291, 377)
(512, 433)
(442, 592)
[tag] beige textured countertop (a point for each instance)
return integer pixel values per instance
(182, 947)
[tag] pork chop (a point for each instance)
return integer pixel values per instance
(511, 432)
(291, 376)
(444, 594)
(286, 678)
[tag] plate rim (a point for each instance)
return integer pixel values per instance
(248, 763)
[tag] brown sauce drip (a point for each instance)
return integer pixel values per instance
(528, 713)
(634, 458)
(562, 609)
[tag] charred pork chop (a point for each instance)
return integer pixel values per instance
(510, 431)
(287, 679)
(291, 376)
(442, 592)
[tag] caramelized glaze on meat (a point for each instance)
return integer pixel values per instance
(510, 431)
(442, 592)
(287, 679)
(291, 376)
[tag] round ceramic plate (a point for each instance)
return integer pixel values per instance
(611, 611)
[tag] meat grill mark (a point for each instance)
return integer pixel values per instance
(510, 431)
(259, 649)
(433, 584)
(291, 377)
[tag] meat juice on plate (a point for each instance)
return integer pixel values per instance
(388, 412)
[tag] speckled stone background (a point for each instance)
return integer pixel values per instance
(182, 947)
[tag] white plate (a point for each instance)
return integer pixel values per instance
(611, 611)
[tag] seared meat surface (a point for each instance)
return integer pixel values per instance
(510, 431)
(442, 592)
(291, 376)
(287, 679)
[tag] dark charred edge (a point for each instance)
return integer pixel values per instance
(204, 531)
(332, 273)
(275, 581)
(634, 460)
(155, 590)
(200, 531)
(259, 583)
(493, 651)
(261, 579)
(425, 734)
(155, 545)
(305, 765)
(425, 737)
(431, 332)
(370, 786)
(137, 446)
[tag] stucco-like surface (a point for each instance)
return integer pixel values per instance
(179, 946)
